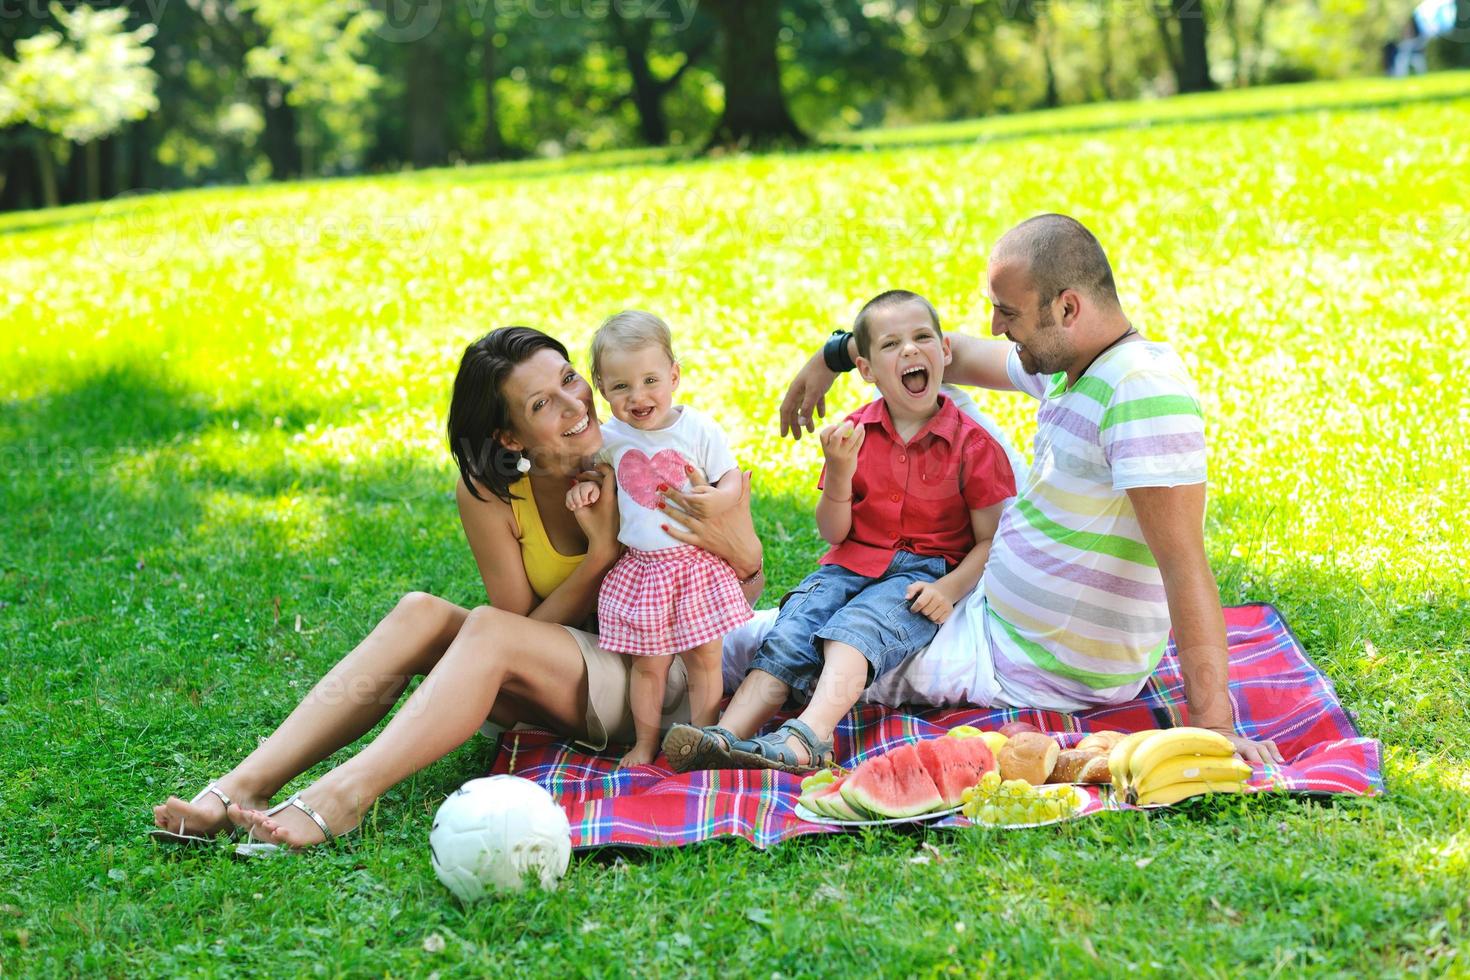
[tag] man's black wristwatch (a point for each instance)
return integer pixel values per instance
(835, 352)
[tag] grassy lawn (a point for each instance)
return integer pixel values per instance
(221, 418)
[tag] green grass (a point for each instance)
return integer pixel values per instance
(221, 432)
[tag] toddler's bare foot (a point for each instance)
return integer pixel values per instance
(638, 755)
(207, 818)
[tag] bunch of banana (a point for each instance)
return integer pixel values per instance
(1172, 764)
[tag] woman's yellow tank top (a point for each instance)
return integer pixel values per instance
(546, 568)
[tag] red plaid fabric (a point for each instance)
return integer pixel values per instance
(1277, 692)
(657, 603)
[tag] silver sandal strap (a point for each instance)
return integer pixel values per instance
(297, 802)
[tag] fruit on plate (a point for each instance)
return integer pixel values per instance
(995, 740)
(1121, 753)
(955, 764)
(1081, 766)
(827, 801)
(817, 779)
(1148, 765)
(1029, 756)
(1193, 768)
(894, 784)
(996, 802)
(1013, 728)
(965, 731)
(1174, 792)
(1100, 741)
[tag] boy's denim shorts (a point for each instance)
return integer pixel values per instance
(869, 614)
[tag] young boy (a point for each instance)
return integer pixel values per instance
(911, 496)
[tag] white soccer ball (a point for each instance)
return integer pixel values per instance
(491, 831)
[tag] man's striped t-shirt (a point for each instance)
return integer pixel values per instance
(1075, 607)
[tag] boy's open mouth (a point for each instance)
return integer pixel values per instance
(915, 379)
(641, 414)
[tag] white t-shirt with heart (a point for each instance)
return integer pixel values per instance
(645, 458)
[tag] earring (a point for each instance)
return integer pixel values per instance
(523, 465)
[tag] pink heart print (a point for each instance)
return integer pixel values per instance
(640, 476)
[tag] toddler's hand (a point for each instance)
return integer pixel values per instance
(705, 501)
(840, 445)
(927, 599)
(583, 495)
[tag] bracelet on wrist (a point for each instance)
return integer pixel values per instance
(835, 353)
(760, 566)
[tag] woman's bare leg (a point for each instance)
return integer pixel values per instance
(342, 706)
(538, 663)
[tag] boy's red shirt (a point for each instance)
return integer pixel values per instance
(918, 497)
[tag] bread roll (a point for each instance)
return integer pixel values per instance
(1070, 763)
(1029, 756)
(1101, 741)
(1096, 770)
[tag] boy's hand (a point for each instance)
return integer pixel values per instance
(928, 599)
(583, 495)
(840, 445)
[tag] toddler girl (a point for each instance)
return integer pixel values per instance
(663, 598)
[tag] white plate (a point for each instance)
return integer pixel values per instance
(1078, 794)
(810, 817)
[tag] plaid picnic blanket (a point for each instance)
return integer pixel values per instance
(1277, 691)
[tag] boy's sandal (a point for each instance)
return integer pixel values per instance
(689, 748)
(770, 751)
(268, 849)
(181, 837)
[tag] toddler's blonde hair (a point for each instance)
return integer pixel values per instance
(629, 330)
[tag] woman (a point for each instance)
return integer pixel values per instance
(522, 427)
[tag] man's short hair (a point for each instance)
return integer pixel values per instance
(1060, 253)
(861, 328)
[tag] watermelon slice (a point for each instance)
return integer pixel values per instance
(828, 801)
(894, 784)
(955, 764)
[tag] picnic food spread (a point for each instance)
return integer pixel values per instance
(1025, 779)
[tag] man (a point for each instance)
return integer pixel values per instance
(1103, 548)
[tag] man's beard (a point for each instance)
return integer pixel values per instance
(1045, 358)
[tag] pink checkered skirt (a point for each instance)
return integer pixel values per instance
(656, 603)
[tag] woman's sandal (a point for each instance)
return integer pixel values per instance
(269, 849)
(195, 840)
(688, 748)
(770, 751)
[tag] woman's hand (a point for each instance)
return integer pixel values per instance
(731, 534)
(599, 518)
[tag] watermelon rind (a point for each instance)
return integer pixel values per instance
(894, 784)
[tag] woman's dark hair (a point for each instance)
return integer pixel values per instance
(478, 412)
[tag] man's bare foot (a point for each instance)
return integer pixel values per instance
(639, 755)
(290, 827)
(207, 818)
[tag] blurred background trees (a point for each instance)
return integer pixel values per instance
(152, 94)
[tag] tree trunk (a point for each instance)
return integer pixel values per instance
(1166, 39)
(281, 138)
(93, 168)
(1258, 42)
(1105, 28)
(1194, 56)
(428, 130)
(755, 111)
(647, 94)
(46, 167)
(1043, 35)
(1460, 40)
(493, 145)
